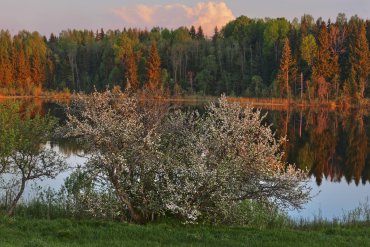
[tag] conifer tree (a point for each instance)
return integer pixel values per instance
(6, 70)
(200, 33)
(37, 70)
(359, 59)
(286, 69)
(6, 78)
(131, 74)
(23, 72)
(192, 32)
(154, 68)
(216, 35)
(322, 65)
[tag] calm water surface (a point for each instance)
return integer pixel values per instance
(331, 145)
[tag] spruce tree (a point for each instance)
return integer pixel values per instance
(322, 66)
(37, 70)
(6, 69)
(359, 59)
(131, 74)
(23, 72)
(200, 33)
(154, 68)
(286, 69)
(192, 32)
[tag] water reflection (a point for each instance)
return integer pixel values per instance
(331, 145)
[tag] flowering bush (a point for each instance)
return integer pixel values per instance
(181, 163)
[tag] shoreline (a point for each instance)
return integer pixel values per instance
(274, 103)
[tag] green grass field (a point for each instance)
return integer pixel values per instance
(40, 233)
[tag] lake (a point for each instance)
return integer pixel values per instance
(331, 145)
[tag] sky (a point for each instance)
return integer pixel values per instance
(53, 16)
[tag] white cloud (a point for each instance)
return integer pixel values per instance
(205, 14)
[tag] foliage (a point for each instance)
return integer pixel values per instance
(154, 69)
(26, 156)
(82, 60)
(184, 164)
(308, 49)
(286, 71)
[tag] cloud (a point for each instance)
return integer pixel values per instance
(205, 14)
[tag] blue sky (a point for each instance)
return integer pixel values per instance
(48, 16)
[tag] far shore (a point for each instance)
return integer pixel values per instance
(270, 103)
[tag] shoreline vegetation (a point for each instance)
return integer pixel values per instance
(266, 103)
(41, 224)
(272, 58)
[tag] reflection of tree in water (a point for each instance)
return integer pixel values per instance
(68, 146)
(37, 106)
(328, 144)
(311, 142)
(356, 147)
(320, 149)
(323, 146)
(31, 106)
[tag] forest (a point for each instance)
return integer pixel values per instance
(300, 59)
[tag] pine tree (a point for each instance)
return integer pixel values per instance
(200, 33)
(154, 69)
(37, 70)
(6, 72)
(359, 59)
(192, 32)
(23, 72)
(6, 69)
(131, 74)
(286, 69)
(323, 69)
(322, 65)
(6, 75)
(216, 35)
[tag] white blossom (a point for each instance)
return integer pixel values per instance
(184, 163)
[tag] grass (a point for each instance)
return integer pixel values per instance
(64, 232)
(29, 229)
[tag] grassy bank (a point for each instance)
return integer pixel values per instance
(32, 233)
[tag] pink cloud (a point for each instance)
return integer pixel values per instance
(205, 14)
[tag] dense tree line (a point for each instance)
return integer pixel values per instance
(248, 57)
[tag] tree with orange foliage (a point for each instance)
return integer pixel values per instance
(131, 71)
(6, 75)
(154, 69)
(23, 72)
(322, 65)
(359, 58)
(286, 69)
(322, 69)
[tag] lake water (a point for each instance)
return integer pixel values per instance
(331, 145)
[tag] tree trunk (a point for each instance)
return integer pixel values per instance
(71, 64)
(287, 84)
(122, 196)
(12, 207)
(301, 85)
(300, 125)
